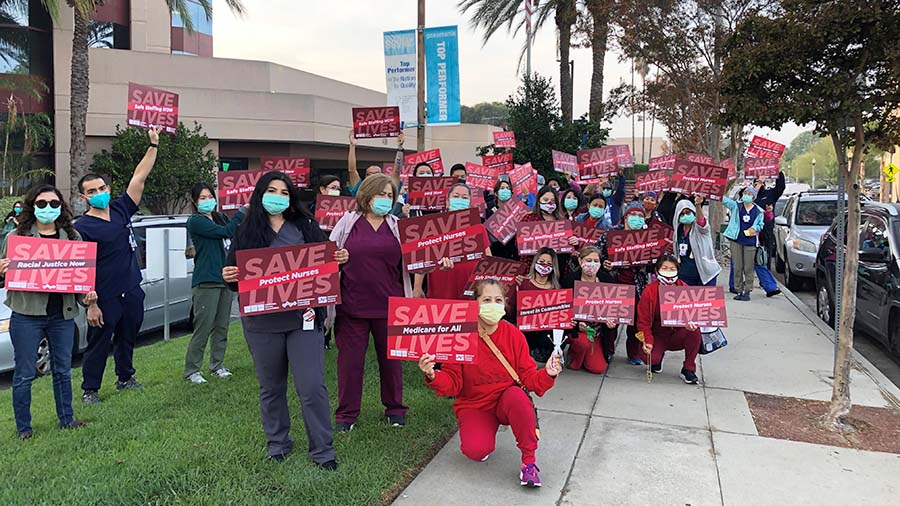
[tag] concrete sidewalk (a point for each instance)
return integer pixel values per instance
(616, 440)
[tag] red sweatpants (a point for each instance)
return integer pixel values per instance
(478, 428)
(674, 339)
(583, 353)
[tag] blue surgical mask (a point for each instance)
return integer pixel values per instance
(607, 192)
(458, 204)
(571, 204)
(17, 210)
(687, 219)
(47, 215)
(275, 204)
(426, 174)
(747, 199)
(206, 206)
(636, 222)
(99, 200)
(382, 205)
(597, 212)
(504, 194)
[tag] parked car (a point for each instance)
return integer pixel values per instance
(806, 216)
(878, 275)
(179, 298)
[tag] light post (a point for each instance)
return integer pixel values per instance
(813, 173)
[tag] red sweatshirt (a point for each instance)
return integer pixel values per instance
(648, 310)
(479, 385)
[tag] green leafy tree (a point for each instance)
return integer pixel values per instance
(834, 65)
(183, 160)
(801, 143)
(486, 113)
(22, 135)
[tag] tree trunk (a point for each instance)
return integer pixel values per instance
(599, 10)
(565, 18)
(80, 90)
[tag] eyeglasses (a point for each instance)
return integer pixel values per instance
(40, 204)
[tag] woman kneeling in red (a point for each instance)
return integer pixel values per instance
(486, 392)
(658, 339)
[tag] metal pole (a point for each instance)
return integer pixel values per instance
(839, 266)
(420, 79)
(814, 174)
(528, 36)
(166, 284)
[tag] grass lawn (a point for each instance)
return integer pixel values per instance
(176, 443)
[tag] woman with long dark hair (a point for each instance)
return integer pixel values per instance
(38, 314)
(542, 275)
(212, 299)
(280, 342)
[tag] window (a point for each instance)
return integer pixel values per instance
(873, 238)
(198, 18)
(816, 212)
(25, 38)
(109, 35)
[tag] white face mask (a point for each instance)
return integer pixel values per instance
(333, 192)
(667, 277)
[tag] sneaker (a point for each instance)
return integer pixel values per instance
(773, 293)
(746, 296)
(635, 361)
(396, 420)
(739, 296)
(131, 384)
(279, 457)
(75, 424)
(486, 457)
(90, 397)
(656, 369)
(196, 378)
(222, 373)
(528, 476)
(331, 465)
(24, 436)
(343, 427)
(689, 377)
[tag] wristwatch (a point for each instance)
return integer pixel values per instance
(153, 145)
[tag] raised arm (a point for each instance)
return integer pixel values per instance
(351, 163)
(209, 229)
(398, 162)
(136, 185)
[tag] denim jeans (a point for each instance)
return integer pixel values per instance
(26, 333)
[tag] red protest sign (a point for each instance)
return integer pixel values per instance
(457, 235)
(376, 122)
(604, 302)
(597, 163)
(501, 270)
(405, 171)
(657, 181)
(295, 168)
(760, 147)
(50, 265)
(699, 158)
(502, 162)
(432, 157)
(479, 176)
(502, 224)
(762, 167)
(447, 329)
(523, 179)
(565, 163)
(623, 155)
(505, 139)
(235, 187)
(703, 306)
(663, 162)
(534, 235)
(627, 248)
(288, 278)
(544, 310)
(152, 107)
(330, 209)
(692, 178)
(477, 202)
(429, 193)
(587, 236)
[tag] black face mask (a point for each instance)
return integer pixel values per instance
(461, 179)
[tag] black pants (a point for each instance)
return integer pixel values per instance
(122, 320)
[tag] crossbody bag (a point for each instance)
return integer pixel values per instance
(515, 376)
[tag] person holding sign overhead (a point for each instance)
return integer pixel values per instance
(116, 317)
(353, 171)
(503, 193)
(743, 228)
(291, 341)
(495, 390)
(38, 314)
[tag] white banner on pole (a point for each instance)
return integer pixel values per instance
(400, 74)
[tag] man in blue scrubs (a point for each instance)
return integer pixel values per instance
(116, 317)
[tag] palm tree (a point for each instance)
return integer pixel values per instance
(600, 14)
(80, 78)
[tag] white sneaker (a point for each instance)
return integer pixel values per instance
(196, 378)
(222, 373)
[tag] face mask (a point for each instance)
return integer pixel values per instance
(543, 270)
(381, 205)
(590, 268)
(47, 215)
(504, 194)
(687, 219)
(17, 210)
(636, 222)
(571, 204)
(461, 179)
(458, 204)
(100, 200)
(275, 204)
(596, 212)
(206, 206)
(555, 188)
(747, 199)
(334, 193)
(548, 207)
(649, 205)
(491, 313)
(667, 277)
(606, 192)
(426, 174)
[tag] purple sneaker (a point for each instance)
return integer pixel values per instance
(528, 476)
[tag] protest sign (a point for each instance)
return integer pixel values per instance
(692, 178)
(627, 248)
(288, 278)
(376, 122)
(447, 329)
(479, 176)
(761, 167)
(505, 139)
(624, 159)
(604, 302)
(429, 193)
(657, 181)
(400, 73)
(587, 236)
(699, 158)
(597, 163)
(295, 168)
(544, 310)
(502, 162)
(442, 75)
(505, 220)
(425, 240)
(235, 187)
(565, 163)
(704, 306)
(152, 107)
(534, 235)
(523, 179)
(477, 202)
(330, 209)
(502, 270)
(387, 168)
(50, 265)
(760, 147)
(662, 162)
(728, 163)
(432, 157)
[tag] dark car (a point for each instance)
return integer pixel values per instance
(878, 276)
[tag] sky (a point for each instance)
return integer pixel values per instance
(342, 39)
